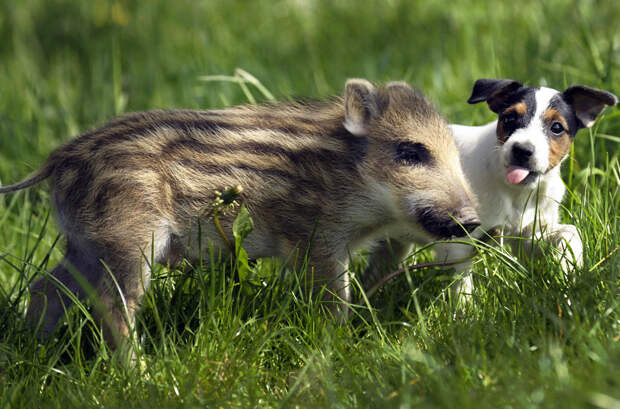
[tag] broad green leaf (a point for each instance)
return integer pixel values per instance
(243, 225)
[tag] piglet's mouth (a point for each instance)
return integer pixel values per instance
(445, 228)
(518, 175)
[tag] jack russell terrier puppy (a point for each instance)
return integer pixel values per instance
(513, 164)
(513, 167)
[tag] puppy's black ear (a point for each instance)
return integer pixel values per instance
(588, 102)
(493, 91)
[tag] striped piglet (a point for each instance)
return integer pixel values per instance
(324, 177)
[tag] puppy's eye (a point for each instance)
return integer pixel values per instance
(509, 118)
(410, 153)
(557, 128)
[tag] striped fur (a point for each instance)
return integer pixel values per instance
(140, 185)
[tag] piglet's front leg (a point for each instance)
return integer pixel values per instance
(385, 258)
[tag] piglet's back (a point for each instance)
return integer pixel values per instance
(170, 162)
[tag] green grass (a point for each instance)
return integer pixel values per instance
(529, 338)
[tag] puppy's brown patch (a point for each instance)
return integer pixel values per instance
(559, 145)
(552, 115)
(519, 108)
(558, 149)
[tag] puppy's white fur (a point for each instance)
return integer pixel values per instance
(531, 211)
(513, 167)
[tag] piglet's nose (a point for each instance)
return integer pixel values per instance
(521, 152)
(467, 221)
(470, 225)
(460, 229)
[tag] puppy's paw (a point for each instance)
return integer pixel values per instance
(567, 240)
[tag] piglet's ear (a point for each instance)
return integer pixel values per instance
(494, 92)
(360, 105)
(588, 102)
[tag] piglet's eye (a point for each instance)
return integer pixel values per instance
(412, 153)
(557, 128)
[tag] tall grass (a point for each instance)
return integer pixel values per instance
(530, 337)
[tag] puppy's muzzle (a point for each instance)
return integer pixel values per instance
(522, 153)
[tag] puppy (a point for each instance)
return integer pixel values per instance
(513, 164)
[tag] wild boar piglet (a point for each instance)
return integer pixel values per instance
(326, 178)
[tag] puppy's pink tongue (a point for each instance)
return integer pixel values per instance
(516, 174)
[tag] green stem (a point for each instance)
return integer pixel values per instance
(216, 220)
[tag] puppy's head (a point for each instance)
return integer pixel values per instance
(537, 125)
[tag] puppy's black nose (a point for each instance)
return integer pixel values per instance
(521, 152)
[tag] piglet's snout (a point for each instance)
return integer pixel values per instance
(465, 221)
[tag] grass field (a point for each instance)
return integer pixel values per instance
(530, 338)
